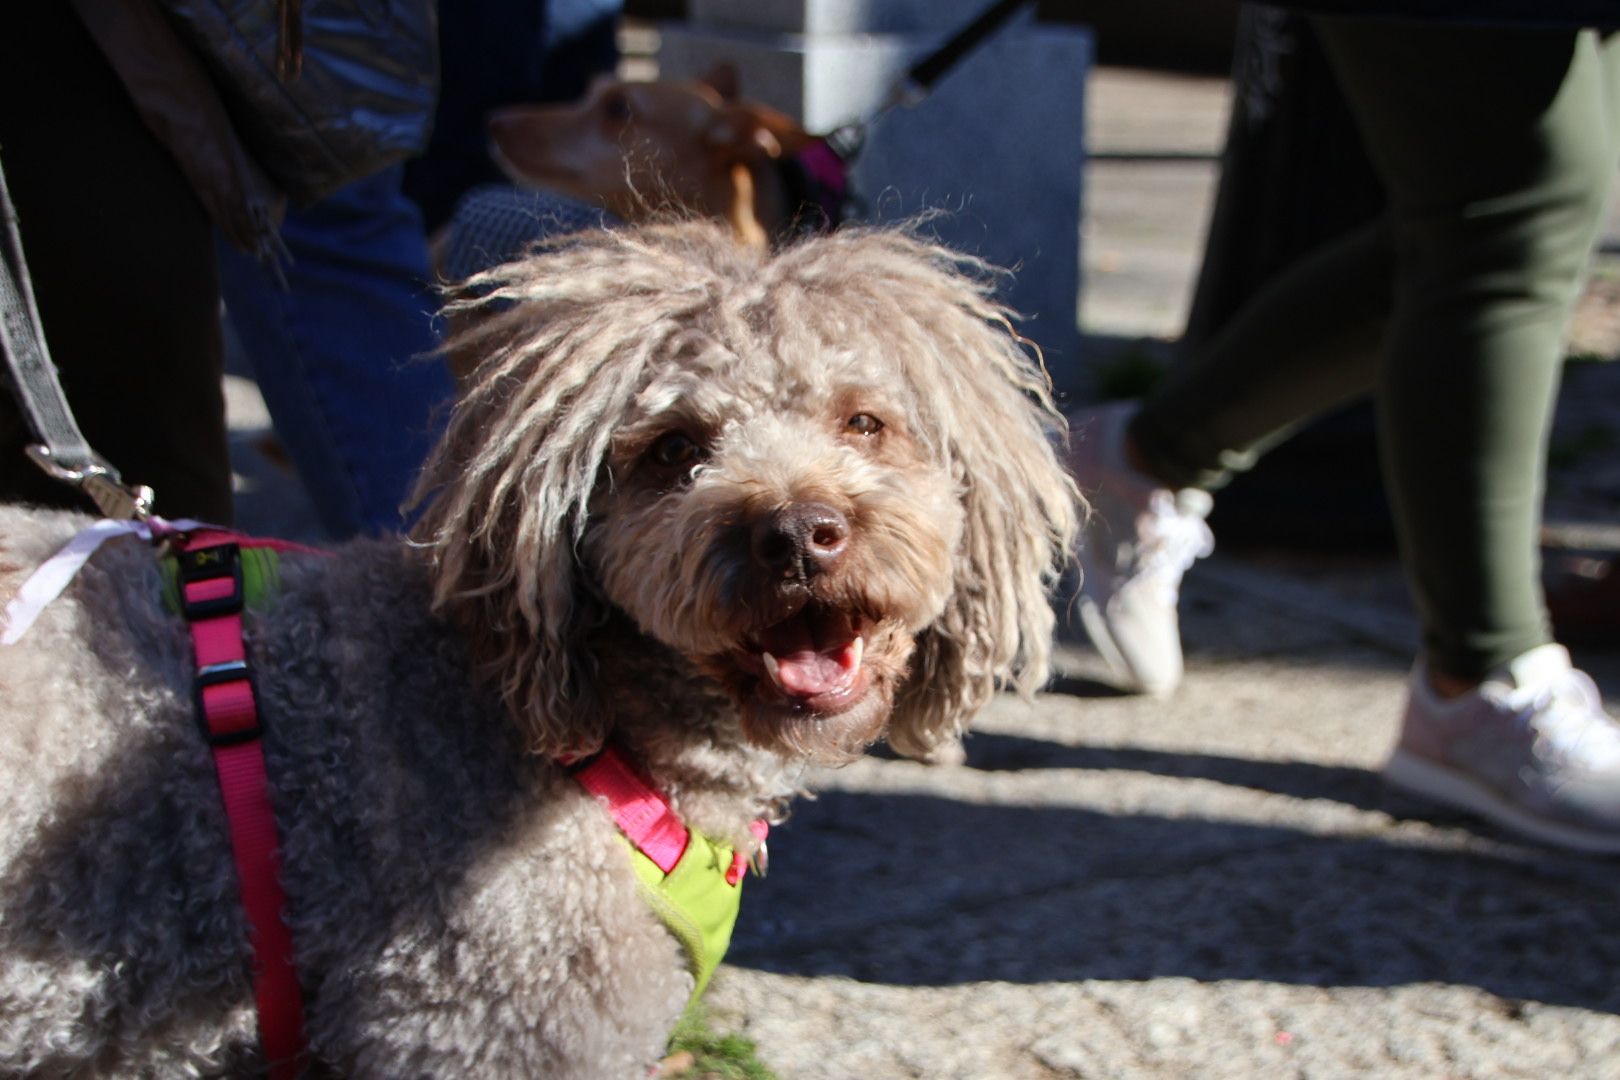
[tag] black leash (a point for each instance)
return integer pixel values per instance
(61, 450)
(919, 79)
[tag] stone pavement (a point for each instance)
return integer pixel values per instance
(1213, 886)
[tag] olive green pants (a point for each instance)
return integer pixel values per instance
(1497, 149)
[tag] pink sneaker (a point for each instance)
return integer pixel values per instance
(1531, 749)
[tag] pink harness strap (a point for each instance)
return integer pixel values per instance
(210, 581)
(644, 816)
(639, 811)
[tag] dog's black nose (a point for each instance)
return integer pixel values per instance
(801, 540)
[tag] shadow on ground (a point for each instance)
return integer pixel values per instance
(1299, 779)
(917, 890)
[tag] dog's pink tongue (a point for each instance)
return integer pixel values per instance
(812, 656)
(806, 674)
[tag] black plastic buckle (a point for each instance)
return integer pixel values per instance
(213, 675)
(208, 564)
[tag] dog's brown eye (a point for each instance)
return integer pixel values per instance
(676, 451)
(864, 424)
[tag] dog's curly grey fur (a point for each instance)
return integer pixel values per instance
(590, 565)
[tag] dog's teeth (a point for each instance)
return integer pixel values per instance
(857, 651)
(773, 669)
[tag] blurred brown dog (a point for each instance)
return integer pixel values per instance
(639, 149)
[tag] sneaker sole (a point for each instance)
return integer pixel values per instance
(1125, 676)
(1437, 783)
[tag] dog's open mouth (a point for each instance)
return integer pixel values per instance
(812, 660)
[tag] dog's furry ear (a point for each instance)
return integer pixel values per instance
(986, 408)
(564, 338)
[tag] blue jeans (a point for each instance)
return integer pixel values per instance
(345, 355)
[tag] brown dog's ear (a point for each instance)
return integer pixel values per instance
(563, 338)
(724, 80)
(1021, 513)
(986, 402)
(739, 144)
(501, 538)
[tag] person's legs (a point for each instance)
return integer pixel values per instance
(344, 356)
(1302, 345)
(121, 256)
(1497, 149)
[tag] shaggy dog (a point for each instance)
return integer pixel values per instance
(732, 511)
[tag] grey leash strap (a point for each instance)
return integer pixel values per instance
(61, 451)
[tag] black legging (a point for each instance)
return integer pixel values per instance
(1497, 149)
(122, 259)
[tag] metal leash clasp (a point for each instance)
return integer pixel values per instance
(101, 482)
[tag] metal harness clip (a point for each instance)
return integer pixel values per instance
(101, 482)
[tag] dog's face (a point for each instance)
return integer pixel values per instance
(637, 148)
(776, 519)
(824, 477)
(620, 142)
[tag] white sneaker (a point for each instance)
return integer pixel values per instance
(1531, 749)
(1140, 538)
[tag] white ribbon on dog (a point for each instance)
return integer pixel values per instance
(56, 573)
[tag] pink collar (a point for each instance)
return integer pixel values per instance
(644, 815)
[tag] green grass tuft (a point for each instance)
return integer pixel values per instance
(716, 1056)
